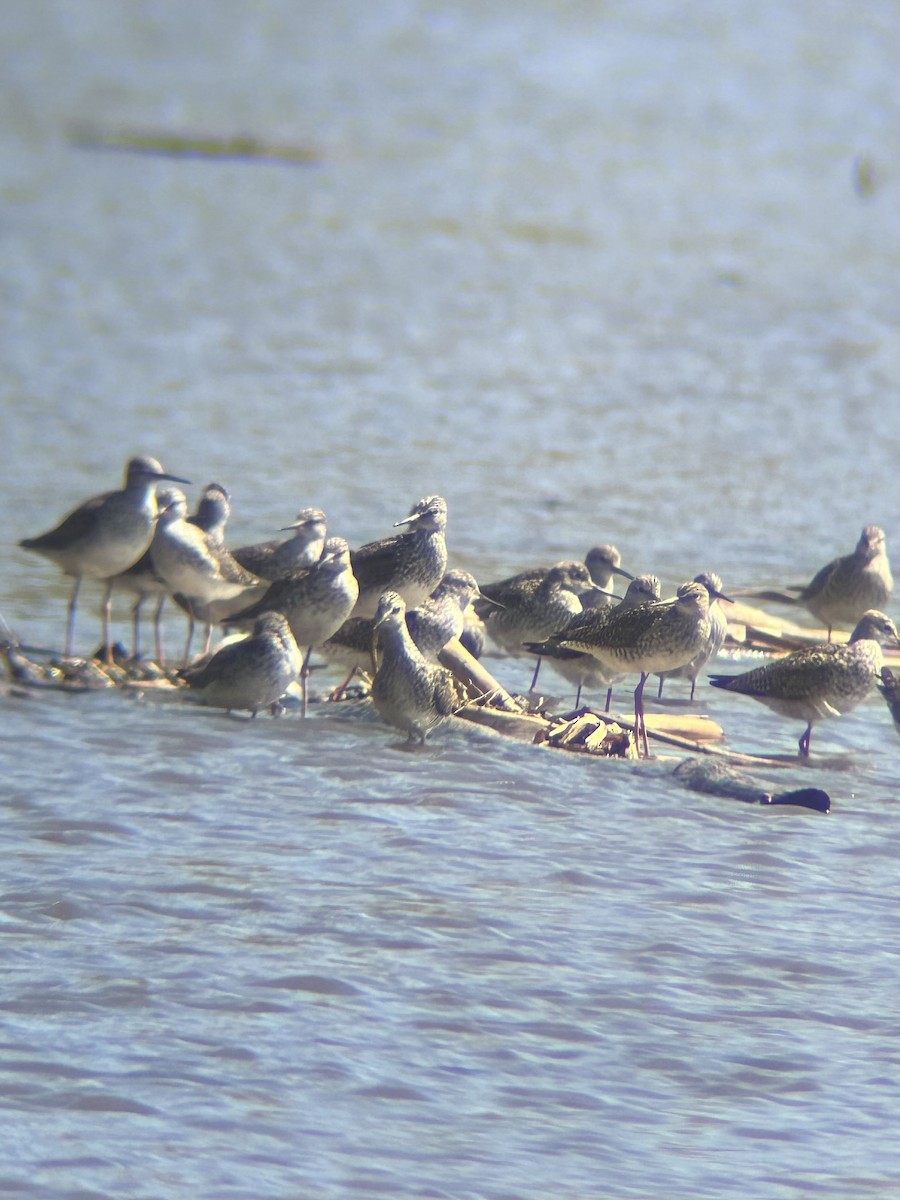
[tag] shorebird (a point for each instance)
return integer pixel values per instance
(410, 563)
(605, 563)
(212, 512)
(847, 587)
(473, 634)
(530, 607)
(210, 515)
(602, 562)
(252, 673)
(443, 615)
(143, 580)
(195, 565)
(104, 536)
(889, 686)
(352, 648)
(647, 638)
(582, 669)
(281, 557)
(316, 601)
(718, 628)
(431, 625)
(407, 691)
(824, 680)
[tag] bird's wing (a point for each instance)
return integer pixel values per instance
(71, 529)
(820, 580)
(375, 564)
(446, 697)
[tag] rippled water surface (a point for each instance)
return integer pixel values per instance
(592, 272)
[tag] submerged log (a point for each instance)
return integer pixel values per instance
(585, 731)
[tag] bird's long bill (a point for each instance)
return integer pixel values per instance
(410, 520)
(717, 595)
(171, 478)
(595, 587)
(621, 572)
(488, 600)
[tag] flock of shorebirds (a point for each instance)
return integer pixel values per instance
(391, 607)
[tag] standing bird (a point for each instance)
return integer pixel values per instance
(824, 680)
(431, 625)
(648, 638)
(847, 587)
(584, 670)
(195, 565)
(104, 536)
(718, 629)
(473, 635)
(602, 562)
(351, 648)
(411, 563)
(212, 512)
(144, 581)
(315, 601)
(605, 563)
(532, 607)
(281, 557)
(442, 616)
(407, 691)
(211, 516)
(252, 673)
(889, 686)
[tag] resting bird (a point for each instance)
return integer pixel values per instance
(252, 673)
(195, 564)
(144, 582)
(431, 625)
(281, 557)
(602, 563)
(316, 602)
(407, 690)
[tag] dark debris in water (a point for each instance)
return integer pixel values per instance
(105, 669)
(583, 731)
(716, 777)
(589, 733)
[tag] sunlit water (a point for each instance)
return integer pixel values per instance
(592, 272)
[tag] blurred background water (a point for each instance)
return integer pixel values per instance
(593, 272)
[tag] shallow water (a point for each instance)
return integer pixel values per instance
(592, 273)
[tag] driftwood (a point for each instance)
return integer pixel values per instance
(754, 629)
(477, 680)
(702, 765)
